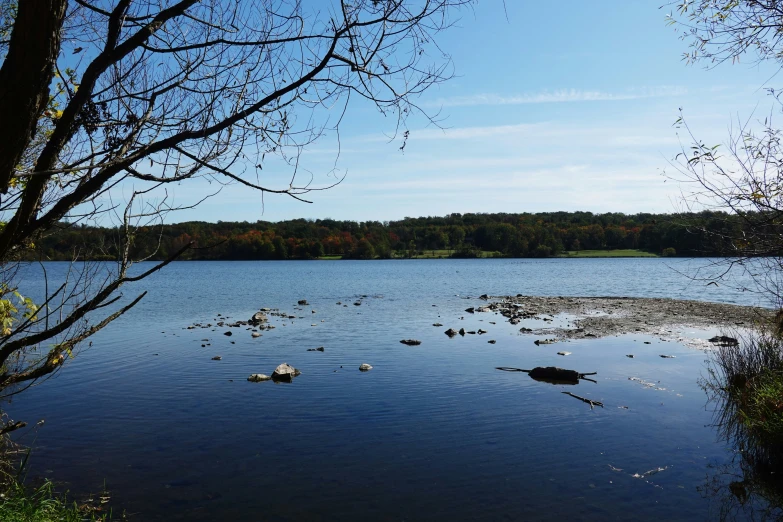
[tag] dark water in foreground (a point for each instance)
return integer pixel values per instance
(433, 432)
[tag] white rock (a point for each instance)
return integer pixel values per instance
(258, 377)
(285, 372)
(365, 367)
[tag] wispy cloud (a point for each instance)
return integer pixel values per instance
(560, 96)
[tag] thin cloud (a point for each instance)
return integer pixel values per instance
(560, 96)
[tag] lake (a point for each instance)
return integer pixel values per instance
(432, 432)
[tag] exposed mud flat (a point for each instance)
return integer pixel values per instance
(592, 317)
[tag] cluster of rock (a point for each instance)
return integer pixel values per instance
(451, 332)
(283, 373)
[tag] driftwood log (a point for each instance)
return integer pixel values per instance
(551, 374)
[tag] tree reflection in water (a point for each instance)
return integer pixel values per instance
(750, 487)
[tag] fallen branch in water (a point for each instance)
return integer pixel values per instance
(588, 401)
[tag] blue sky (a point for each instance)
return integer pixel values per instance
(550, 110)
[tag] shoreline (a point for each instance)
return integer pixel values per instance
(573, 318)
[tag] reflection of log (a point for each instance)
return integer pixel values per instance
(588, 401)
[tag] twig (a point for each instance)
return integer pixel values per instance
(588, 401)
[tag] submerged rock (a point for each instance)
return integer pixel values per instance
(411, 342)
(365, 367)
(319, 349)
(285, 373)
(259, 377)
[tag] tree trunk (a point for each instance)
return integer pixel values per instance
(25, 78)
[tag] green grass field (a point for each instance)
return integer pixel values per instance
(443, 254)
(607, 253)
(436, 254)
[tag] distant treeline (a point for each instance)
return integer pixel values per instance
(457, 235)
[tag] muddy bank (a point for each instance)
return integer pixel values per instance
(591, 317)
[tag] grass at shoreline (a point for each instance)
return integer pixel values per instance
(607, 253)
(43, 504)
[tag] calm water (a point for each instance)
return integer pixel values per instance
(433, 432)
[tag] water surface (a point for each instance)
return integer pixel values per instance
(433, 432)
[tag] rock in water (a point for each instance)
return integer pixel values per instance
(229, 334)
(722, 340)
(217, 358)
(411, 342)
(436, 324)
(285, 373)
(470, 310)
(630, 356)
(255, 334)
(539, 342)
(365, 367)
(258, 318)
(451, 332)
(259, 377)
(462, 331)
(564, 353)
(667, 356)
(492, 341)
(302, 302)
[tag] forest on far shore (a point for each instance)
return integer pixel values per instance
(456, 235)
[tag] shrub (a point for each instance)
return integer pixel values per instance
(746, 382)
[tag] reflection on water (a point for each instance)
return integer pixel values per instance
(741, 491)
(751, 485)
(432, 432)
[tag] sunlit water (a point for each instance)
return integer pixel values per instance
(433, 432)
